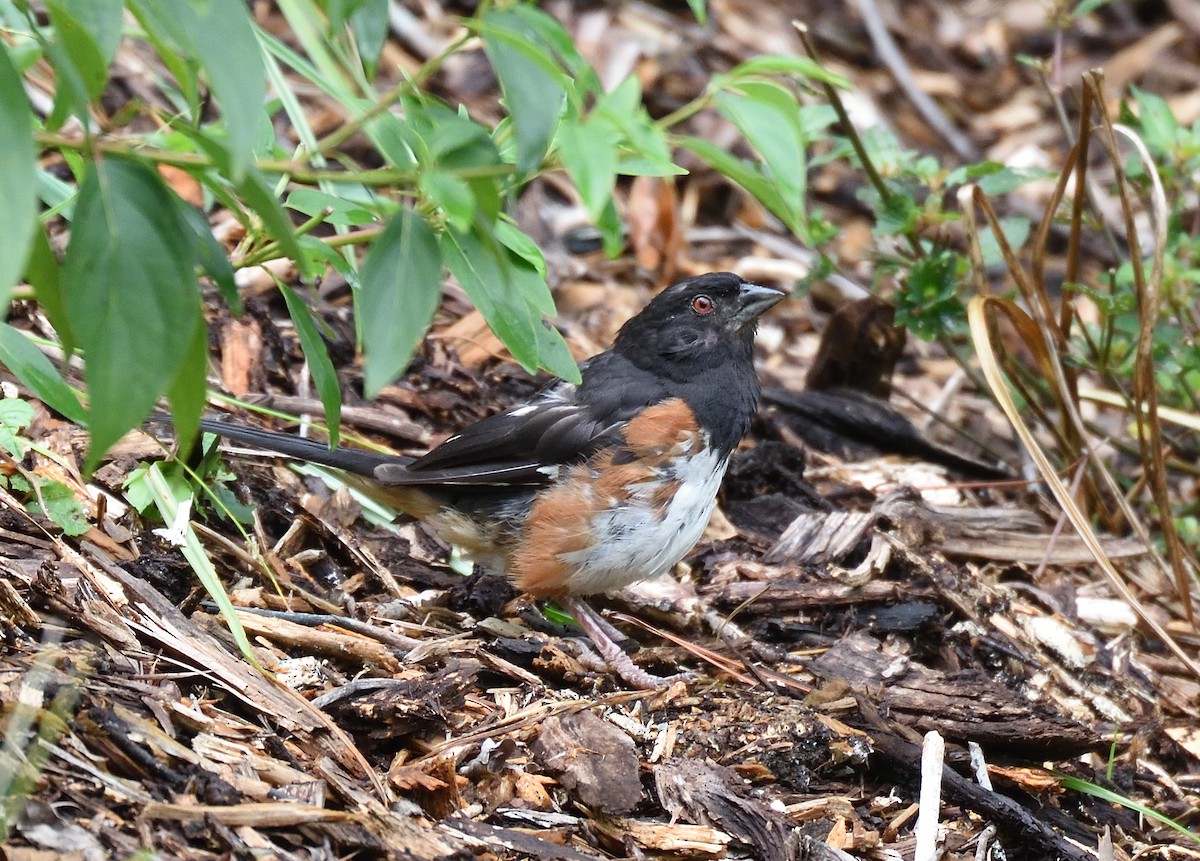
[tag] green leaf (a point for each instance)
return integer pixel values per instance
(62, 507)
(187, 391)
(319, 254)
(210, 255)
(699, 10)
(438, 139)
(611, 230)
(337, 210)
(219, 34)
(15, 413)
(319, 363)
(555, 356)
(644, 146)
(1158, 124)
(768, 116)
(78, 28)
(454, 141)
(780, 64)
(885, 151)
(100, 19)
(18, 175)
(483, 268)
(519, 243)
(130, 291)
(748, 176)
(555, 37)
(898, 214)
(172, 44)
(16, 446)
(370, 25)
(79, 65)
(38, 374)
(928, 302)
(392, 138)
(452, 196)
(1016, 231)
(228, 51)
(535, 89)
(173, 500)
(589, 153)
(58, 196)
(512, 296)
(255, 192)
(43, 272)
(401, 288)
(1086, 7)
(814, 119)
(339, 11)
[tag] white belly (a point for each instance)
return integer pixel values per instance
(636, 541)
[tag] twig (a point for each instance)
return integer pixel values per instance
(891, 57)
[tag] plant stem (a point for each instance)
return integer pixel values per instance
(297, 171)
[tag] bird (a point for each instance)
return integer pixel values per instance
(587, 487)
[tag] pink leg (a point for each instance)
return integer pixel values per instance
(595, 627)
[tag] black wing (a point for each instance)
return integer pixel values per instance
(525, 445)
(521, 447)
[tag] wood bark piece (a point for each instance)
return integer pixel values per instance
(858, 426)
(356, 649)
(859, 348)
(241, 347)
(998, 534)
(965, 706)
(489, 838)
(1037, 839)
(788, 595)
(592, 759)
(267, 814)
(994, 533)
(163, 624)
(706, 793)
(677, 839)
(820, 536)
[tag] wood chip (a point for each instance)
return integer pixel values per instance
(591, 759)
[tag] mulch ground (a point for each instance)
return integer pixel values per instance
(871, 577)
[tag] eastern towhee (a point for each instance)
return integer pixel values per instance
(588, 488)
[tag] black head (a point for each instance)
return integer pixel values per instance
(695, 323)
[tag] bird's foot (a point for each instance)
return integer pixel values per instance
(597, 630)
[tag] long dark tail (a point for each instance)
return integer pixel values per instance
(352, 460)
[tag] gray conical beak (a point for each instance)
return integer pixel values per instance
(754, 300)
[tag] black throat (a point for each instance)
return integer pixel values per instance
(716, 379)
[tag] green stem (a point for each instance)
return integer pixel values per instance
(336, 138)
(270, 251)
(852, 135)
(298, 172)
(680, 114)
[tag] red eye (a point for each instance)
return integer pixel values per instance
(702, 304)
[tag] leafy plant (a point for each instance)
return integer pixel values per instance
(430, 194)
(44, 496)
(1087, 787)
